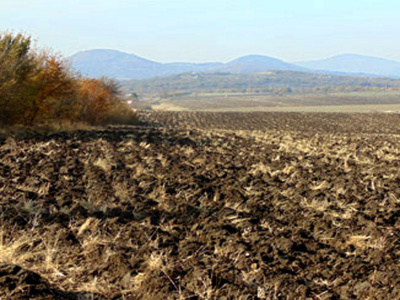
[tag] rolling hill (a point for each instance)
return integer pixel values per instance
(257, 63)
(195, 82)
(116, 64)
(120, 65)
(354, 63)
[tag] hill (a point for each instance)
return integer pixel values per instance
(257, 63)
(353, 63)
(195, 82)
(116, 64)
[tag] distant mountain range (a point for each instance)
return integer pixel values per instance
(120, 65)
(353, 63)
(116, 64)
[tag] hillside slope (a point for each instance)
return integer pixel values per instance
(353, 63)
(116, 64)
(193, 82)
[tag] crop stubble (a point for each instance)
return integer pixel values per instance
(204, 206)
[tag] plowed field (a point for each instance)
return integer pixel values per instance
(205, 206)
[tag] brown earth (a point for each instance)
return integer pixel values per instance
(204, 206)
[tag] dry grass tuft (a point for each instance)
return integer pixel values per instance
(298, 208)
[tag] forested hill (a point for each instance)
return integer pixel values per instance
(193, 82)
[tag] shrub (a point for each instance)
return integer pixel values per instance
(37, 87)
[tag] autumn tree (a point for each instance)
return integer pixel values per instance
(17, 65)
(51, 92)
(96, 98)
(37, 87)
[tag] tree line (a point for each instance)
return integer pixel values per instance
(38, 87)
(271, 83)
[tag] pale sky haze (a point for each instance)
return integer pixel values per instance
(211, 30)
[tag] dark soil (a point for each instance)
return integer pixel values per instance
(160, 213)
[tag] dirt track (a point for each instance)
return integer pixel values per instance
(161, 213)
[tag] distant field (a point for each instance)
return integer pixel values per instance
(361, 108)
(366, 123)
(337, 102)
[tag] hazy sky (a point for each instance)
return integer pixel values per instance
(211, 30)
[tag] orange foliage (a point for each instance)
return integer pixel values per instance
(51, 84)
(96, 99)
(38, 88)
